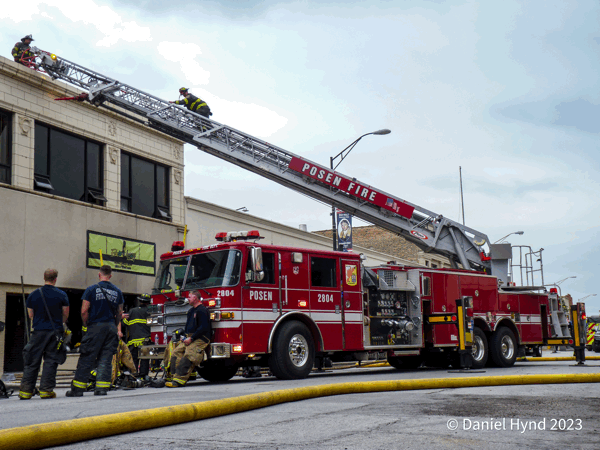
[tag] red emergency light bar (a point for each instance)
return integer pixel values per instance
(553, 291)
(177, 246)
(233, 236)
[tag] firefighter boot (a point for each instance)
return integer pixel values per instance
(100, 392)
(74, 393)
(25, 395)
(47, 394)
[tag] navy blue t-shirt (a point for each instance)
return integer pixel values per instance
(102, 310)
(55, 299)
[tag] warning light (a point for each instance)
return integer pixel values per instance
(212, 303)
(302, 303)
(177, 246)
(553, 291)
(571, 341)
(221, 236)
(583, 316)
(53, 56)
(237, 349)
(453, 318)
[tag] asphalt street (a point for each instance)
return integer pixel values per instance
(532, 416)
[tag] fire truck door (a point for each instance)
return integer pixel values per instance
(529, 318)
(351, 301)
(325, 299)
(260, 305)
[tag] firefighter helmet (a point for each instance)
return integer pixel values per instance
(177, 334)
(29, 36)
(144, 298)
(183, 90)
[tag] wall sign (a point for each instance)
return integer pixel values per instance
(122, 254)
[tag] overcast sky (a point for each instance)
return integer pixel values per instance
(507, 90)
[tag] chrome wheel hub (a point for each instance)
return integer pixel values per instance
(507, 347)
(298, 350)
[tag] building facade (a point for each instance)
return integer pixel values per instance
(79, 186)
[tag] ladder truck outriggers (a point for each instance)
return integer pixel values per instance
(292, 309)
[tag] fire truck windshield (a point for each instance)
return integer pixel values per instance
(211, 269)
(171, 274)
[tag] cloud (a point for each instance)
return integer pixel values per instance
(185, 55)
(103, 18)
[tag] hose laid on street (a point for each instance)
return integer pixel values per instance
(75, 430)
(556, 358)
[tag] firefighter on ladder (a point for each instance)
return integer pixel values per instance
(139, 334)
(22, 54)
(190, 351)
(193, 103)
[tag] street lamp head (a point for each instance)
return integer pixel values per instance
(519, 232)
(380, 132)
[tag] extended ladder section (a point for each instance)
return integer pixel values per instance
(429, 231)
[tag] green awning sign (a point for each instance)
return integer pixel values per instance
(122, 254)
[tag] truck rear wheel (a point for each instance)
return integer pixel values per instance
(480, 348)
(216, 372)
(405, 362)
(293, 354)
(503, 347)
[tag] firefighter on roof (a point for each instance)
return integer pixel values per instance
(139, 333)
(190, 351)
(21, 52)
(193, 103)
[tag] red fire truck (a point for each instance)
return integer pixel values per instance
(292, 309)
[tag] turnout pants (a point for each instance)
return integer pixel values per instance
(185, 358)
(122, 359)
(143, 364)
(98, 346)
(41, 345)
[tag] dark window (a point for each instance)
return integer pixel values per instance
(144, 187)
(426, 286)
(68, 165)
(268, 267)
(5, 146)
(322, 272)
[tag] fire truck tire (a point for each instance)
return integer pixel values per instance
(480, 348)
(217, 372)
(503, 347)
(405, 362)
(293, 354)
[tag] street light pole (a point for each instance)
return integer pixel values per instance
(343, 155)
(590, 295)
(514, 232)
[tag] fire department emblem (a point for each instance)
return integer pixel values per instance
(296, 270)
(351, 275)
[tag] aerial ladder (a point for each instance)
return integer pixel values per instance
(431, 232)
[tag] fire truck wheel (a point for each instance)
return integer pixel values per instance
(503, 347)
(405, 362)
(217, 372)
(480, 348)
(293, 354)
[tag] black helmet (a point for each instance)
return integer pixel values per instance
(29, 36)
(144, 298)
(183, 90)
(177, 334)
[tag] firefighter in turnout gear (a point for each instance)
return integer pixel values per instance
(193, 103)
(177, 336)
(138, 332)
(190, 351)
(43, 342)
(21, 52)
(101, 310)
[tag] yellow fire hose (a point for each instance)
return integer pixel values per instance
(557, 358)
(75, 430)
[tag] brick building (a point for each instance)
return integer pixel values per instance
(380, 240)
